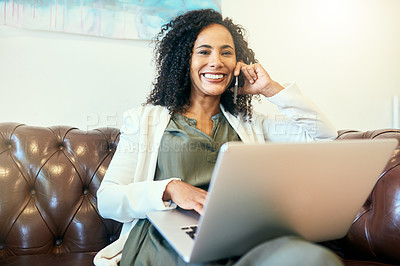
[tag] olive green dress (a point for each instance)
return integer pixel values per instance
(187, 153)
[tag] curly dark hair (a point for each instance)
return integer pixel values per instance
(172, 54)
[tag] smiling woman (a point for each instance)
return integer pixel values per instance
(176, 48)
(212, 63)
(211, 70)
(198, 54)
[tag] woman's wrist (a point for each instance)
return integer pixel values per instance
(169, 190)
(272, 89)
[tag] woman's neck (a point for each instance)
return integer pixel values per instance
(202, 113)
(203, 106)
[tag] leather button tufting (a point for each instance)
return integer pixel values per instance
(8, 144)
(111, 146)
(63, 164)
(112, 238)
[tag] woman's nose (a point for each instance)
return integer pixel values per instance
(215, 60)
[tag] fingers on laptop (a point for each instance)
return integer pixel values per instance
(187, 196)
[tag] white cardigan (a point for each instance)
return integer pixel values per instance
(128, 190)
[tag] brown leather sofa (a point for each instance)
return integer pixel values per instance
(48, 211)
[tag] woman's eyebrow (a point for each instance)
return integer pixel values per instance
(209, 46)
(226, 46)
(204, 46)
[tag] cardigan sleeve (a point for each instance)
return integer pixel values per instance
(300, 121)
(122, 195)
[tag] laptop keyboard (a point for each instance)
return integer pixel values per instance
(190, 230)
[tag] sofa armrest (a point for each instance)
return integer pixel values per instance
(375, 234)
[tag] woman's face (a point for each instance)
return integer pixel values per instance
(213, 61)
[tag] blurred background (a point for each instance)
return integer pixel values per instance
(343, 54)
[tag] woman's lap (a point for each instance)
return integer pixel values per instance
(148, 247)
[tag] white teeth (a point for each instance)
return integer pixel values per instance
(211, 76)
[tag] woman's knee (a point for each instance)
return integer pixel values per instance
(289, 250)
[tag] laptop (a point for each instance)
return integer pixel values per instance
(263, 191)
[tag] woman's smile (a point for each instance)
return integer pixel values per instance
(213, 76)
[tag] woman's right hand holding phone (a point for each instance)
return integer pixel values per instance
(257, 80)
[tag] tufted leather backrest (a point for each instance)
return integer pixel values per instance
(48, 183)
(375, 234)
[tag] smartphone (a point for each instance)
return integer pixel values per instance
(238, 83)
(235, 89)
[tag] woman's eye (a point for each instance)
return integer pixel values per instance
(227, 53)
(204, 52)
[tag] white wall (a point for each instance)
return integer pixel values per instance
(344, 54)
(54, 78)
